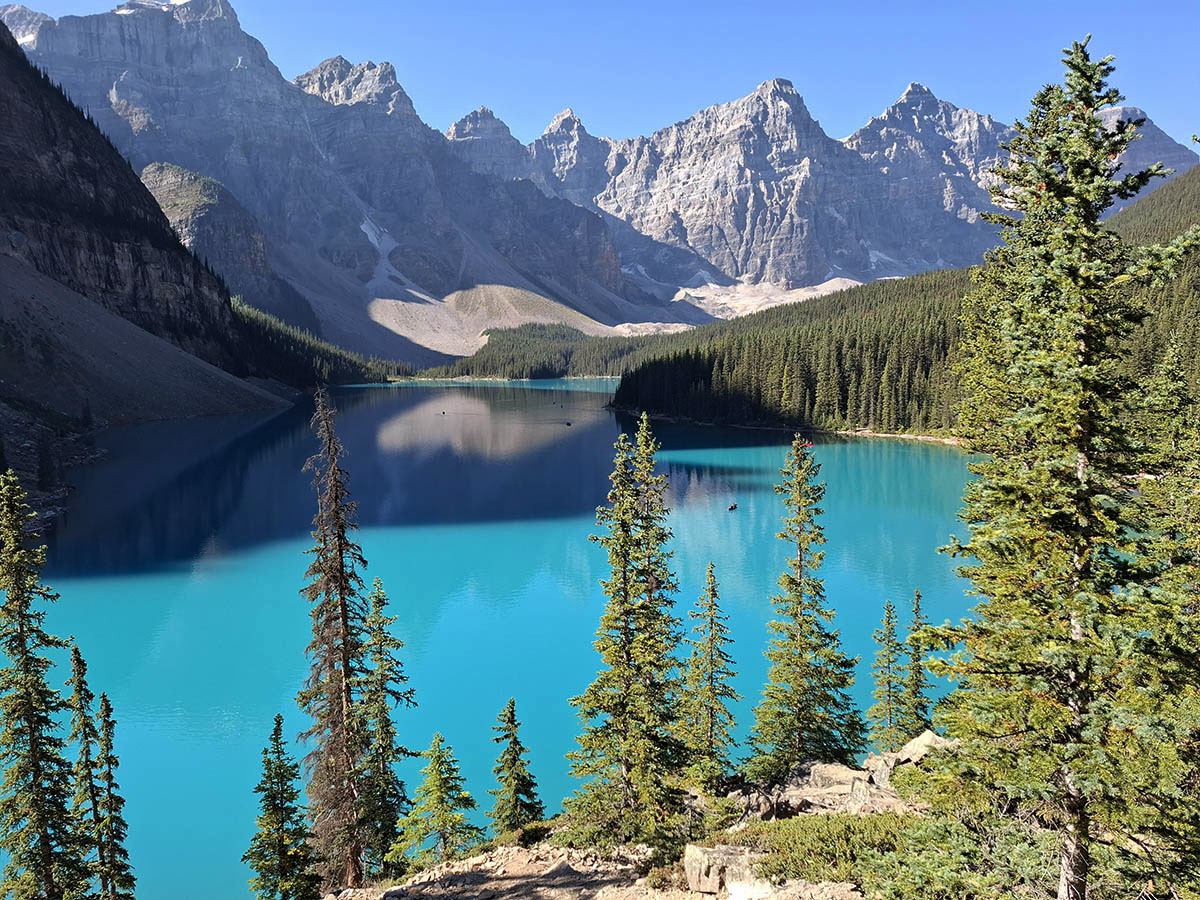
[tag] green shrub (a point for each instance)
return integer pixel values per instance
(944, 859)
(818, 848)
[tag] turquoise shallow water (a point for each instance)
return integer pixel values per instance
(181, 560)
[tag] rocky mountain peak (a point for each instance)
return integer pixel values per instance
(23, 22)
(566, 122)
(916, 92)
(478, 124)
(340, 82)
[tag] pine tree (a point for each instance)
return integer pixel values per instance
(88, 788)
(336, 662)
(806, 712)
(281, 853)
(383, 798)
(915, 716)
(45, 855)
(1074, 673)
(706, 720)
(115, 870)
(628, 749)
(517, 803)
(885, 715)
(439, 813)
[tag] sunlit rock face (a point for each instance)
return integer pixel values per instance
(754, 190)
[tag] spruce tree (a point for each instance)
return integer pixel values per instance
(517, 803)
(628, 750)
(915, 706)
(281, 853)
(1074, 673)
(436, 828)
(115, 871)
(383, 799)
(806, 712)
(88, 786)
(45, 856)
(335, 652)
(885, 717)
(706, 720)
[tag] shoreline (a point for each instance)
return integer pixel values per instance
(948, 441)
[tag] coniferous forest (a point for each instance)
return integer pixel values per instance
(1066, 760)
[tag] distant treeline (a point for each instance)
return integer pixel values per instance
(878, 356)
(299, 358)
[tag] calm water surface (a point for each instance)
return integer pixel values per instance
(181, 560)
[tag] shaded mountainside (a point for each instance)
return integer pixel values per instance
(879, 356)
(72, 207)
(397, 246)
(217, 228)
(105, 315)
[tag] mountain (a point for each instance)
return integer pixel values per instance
(391, 238)
(104, 314)
(1153, 145)
(927, 147)
(216, 227)
(398, 247)
(754, 190)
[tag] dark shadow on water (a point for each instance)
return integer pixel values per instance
(417, 456)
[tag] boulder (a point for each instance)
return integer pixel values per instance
(711, 870)
(882, 765)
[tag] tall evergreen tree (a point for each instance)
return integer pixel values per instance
(335, 762)
(628, 750)
(517, 803)
(706, 720)
(115, 871)
(915, 705)
(88, 787)
(381, 689)
(1073, 673)
(38, 835)
(281, 853)
(439, 814)
(806, 712)
(885, 716)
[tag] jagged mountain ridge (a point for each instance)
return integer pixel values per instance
(928, 166)
(399, 247)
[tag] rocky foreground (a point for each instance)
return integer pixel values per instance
(548, 872)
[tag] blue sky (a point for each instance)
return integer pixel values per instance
(628, 67)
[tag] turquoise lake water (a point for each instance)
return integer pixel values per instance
(180, 563)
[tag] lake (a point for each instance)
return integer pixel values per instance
(180, 563)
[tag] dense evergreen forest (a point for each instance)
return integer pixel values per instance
(298, 357)
(880, 356)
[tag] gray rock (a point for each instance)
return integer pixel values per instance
(713, 870)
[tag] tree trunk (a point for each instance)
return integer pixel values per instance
(1075, 860)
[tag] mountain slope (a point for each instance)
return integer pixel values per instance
(393, 242)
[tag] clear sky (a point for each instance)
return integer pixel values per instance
(629, 67)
